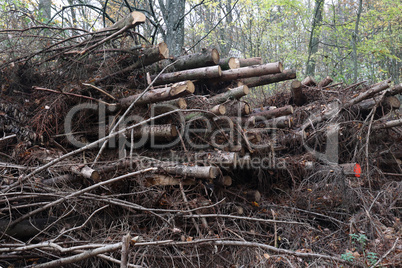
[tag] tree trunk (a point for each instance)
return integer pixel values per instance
(314, 37)
(160, 94)
(269, 78)
(325, 82)
(167, 106)
(193, 74)
(173, 15)
(250, 62)
(207, 57)
(245, 72)
(234, 93)
(229, 63)
(309, 82)
(298, 97)
(285, 110)
(165, 132)
(201, 172)
(355, 35)
(237, 108)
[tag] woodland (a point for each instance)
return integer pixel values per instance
(197, 133)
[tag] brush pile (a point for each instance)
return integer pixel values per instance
(114, 153)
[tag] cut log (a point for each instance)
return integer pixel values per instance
(167, 106)
(253, 195)
(201, 172)
(229, 63)
(224, 181)
(234, 93)
(193, 74)
(325, 82)
(269, 78)
(207, 57)
(245, 72)
(131, 20)
(250, 61)
(298, 98)
(381, 124)
(369, 93)
(286, 110)
(238, 108)
(387, 103)
(217, 158)
(86, 172)
(397, 89)
(166, 180)
(261, 109)
(157, 132)
(309, 82)
(278, 122)
(216, 110)
(161, 94)
(146, 57)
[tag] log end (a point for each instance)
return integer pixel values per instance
(295, 84)
(280, 66)
(181, 103)
(246, 89)
(163, 50)
(137, 18)
(234, 63)
(247, 108)
(181, 87)
(214, 172)
(215, 56)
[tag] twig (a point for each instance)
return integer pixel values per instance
(77, 193)
(70, 94)
(188, 207)
(386, 254)
(8, 137)
(125, 247)
(112, 131)
(99, 89)
(241, 218)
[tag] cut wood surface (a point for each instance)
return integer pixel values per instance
(192, 74)
(229, 63)
(325, 82)
(245, 72)
(131, 20)
(269, 78)
(237, 108)
(309, 82)
(298, 97)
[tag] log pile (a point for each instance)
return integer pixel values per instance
(141, 122)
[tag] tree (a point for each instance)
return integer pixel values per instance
(45, 6)
(173, 15)
(314, 37)
(354, 41)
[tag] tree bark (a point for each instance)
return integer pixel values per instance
(234, 93)
(298, 97)
(369, 93)
(229, 63)
(237, 108)
(207, 57)
(161, 94)
(193, 74)
(355, 35)
(309, 82)
(314, 37)
(167, 106)
(245, 72)
(131, 20)
(286, 110)
(325, 82)
(157, 132)
(269, 78)
(166, 180)
(201, 172)
(250, 61)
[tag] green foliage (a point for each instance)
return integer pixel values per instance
(348, 256)
(372, 258)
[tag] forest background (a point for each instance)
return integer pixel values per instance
(349, 40)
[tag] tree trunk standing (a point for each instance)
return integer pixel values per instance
(314, 37)
(173, 15)
(354, 41)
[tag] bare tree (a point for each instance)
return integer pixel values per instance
(314, 37)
